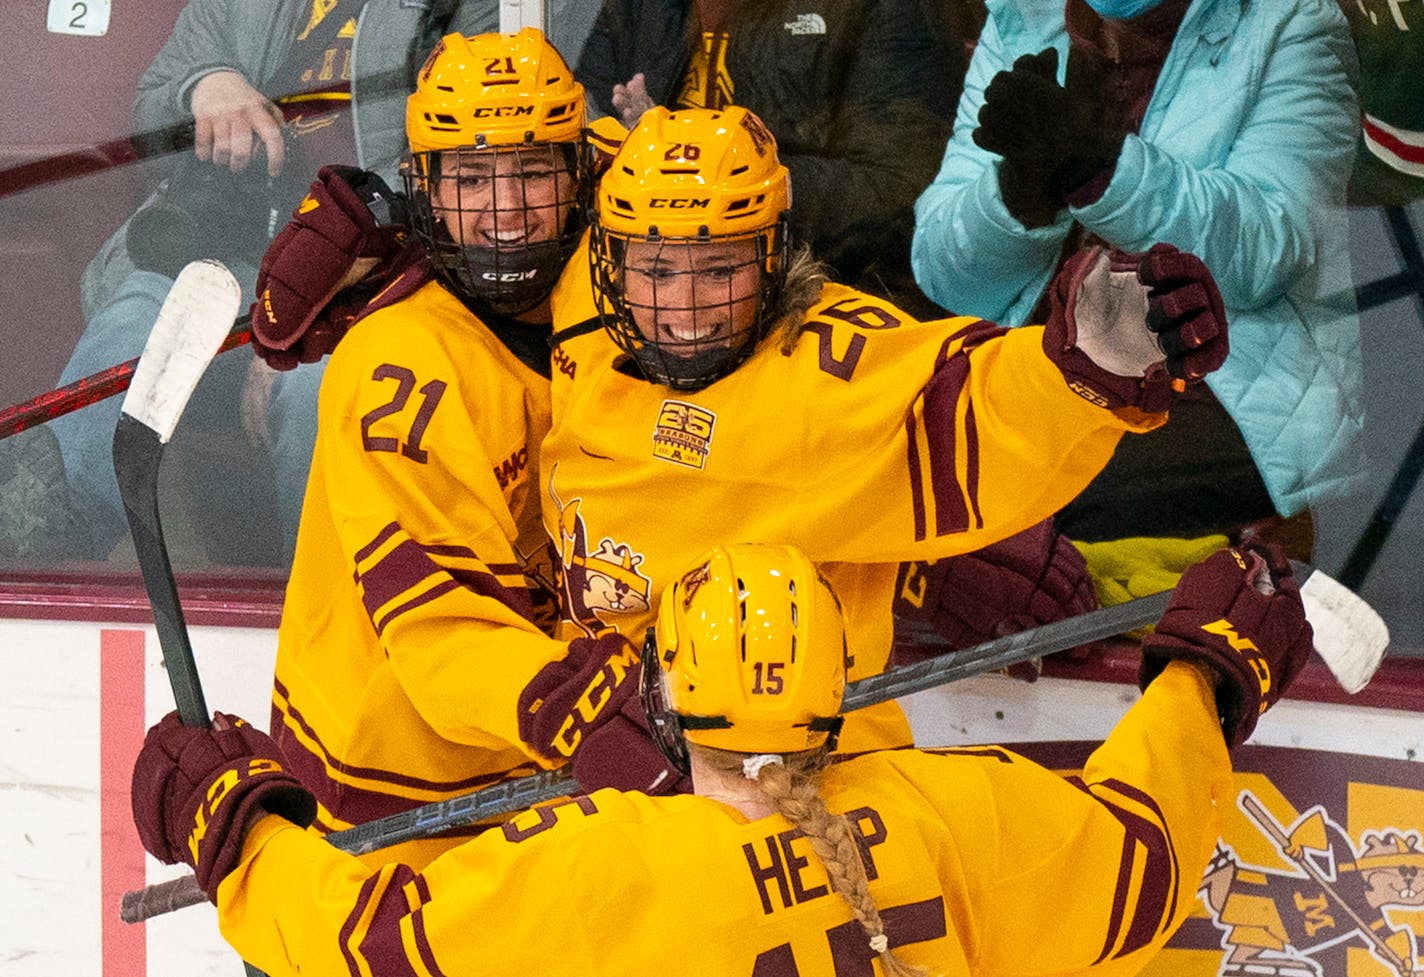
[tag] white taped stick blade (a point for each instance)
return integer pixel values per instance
(1350, 636)
(195, 318)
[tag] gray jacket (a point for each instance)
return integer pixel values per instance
(254, 37)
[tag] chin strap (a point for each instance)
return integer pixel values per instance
(573, 332)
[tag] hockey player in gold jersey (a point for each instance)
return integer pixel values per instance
(735, 394)
(415, 613)
(954, 862)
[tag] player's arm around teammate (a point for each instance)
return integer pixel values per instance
(419, 604)
(931, 860)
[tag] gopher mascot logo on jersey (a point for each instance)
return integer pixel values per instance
(606, 580)
(1281, 923)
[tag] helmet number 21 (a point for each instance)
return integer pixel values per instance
(767, 678)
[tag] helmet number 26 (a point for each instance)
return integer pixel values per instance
(766, 678)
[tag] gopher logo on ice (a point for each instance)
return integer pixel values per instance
(606, 580)
(1282, 924)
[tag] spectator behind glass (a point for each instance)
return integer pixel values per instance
(1226, 129)
(1389, 167)
(859, 96)
(275, 87)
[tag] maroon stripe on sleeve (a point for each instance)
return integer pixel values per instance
(381, 947)
(422, 942)
(396, 572)
(976, 333)
(348, 928)
(971, 453)
(419, 600)
(941, 401)
(1119, 899)
(306, 762)
(1160, 873)
(487, 584)
(375, 544)
(917, 486)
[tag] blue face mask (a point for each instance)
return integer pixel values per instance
(1122, 9)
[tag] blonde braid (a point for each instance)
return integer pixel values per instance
(793, 788)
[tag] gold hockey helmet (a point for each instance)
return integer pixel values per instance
(499, 172)
(748, 654)
(494, 90)
(701, 196)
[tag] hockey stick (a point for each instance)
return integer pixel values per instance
(177, 137)
(1349, 635)
(194, 320)
(93, 388)
(1268, 824)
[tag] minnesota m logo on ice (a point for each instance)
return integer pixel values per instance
(806, 24)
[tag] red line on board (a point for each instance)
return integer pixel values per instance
(121, 858)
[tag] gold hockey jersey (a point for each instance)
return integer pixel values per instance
(878, 439)
(409, 624)
(981, 862)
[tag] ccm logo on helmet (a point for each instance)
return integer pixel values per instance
(502, 111)
(678, 203)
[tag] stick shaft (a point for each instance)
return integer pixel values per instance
(512, 796)
(137, 454)
(90, 390)
(516, 795)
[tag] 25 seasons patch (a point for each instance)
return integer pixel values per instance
(683, 433)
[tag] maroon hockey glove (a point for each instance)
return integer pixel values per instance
(196, 789)
(1184, 309)
(571, 697)
(1131, 330)
(343, 231)
(1031, 578)
(620, 753)
(1256, 642)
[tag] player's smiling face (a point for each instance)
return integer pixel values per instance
(692, 296)
(509, 198)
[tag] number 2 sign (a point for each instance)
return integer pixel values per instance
(87, 18)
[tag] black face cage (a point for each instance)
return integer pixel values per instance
(665, 724)
(694, 364)
(507, 279)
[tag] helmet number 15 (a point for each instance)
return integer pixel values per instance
(766, 678)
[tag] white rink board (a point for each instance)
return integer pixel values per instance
(51, 821)
(55, 805)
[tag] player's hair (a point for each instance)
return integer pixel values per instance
(805, 277)
(794, 789)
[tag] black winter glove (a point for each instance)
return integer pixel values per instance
(1052, 138)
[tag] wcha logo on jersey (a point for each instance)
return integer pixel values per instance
(683, 433)
(1302, 923)
(604, 581)
(806, 24)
